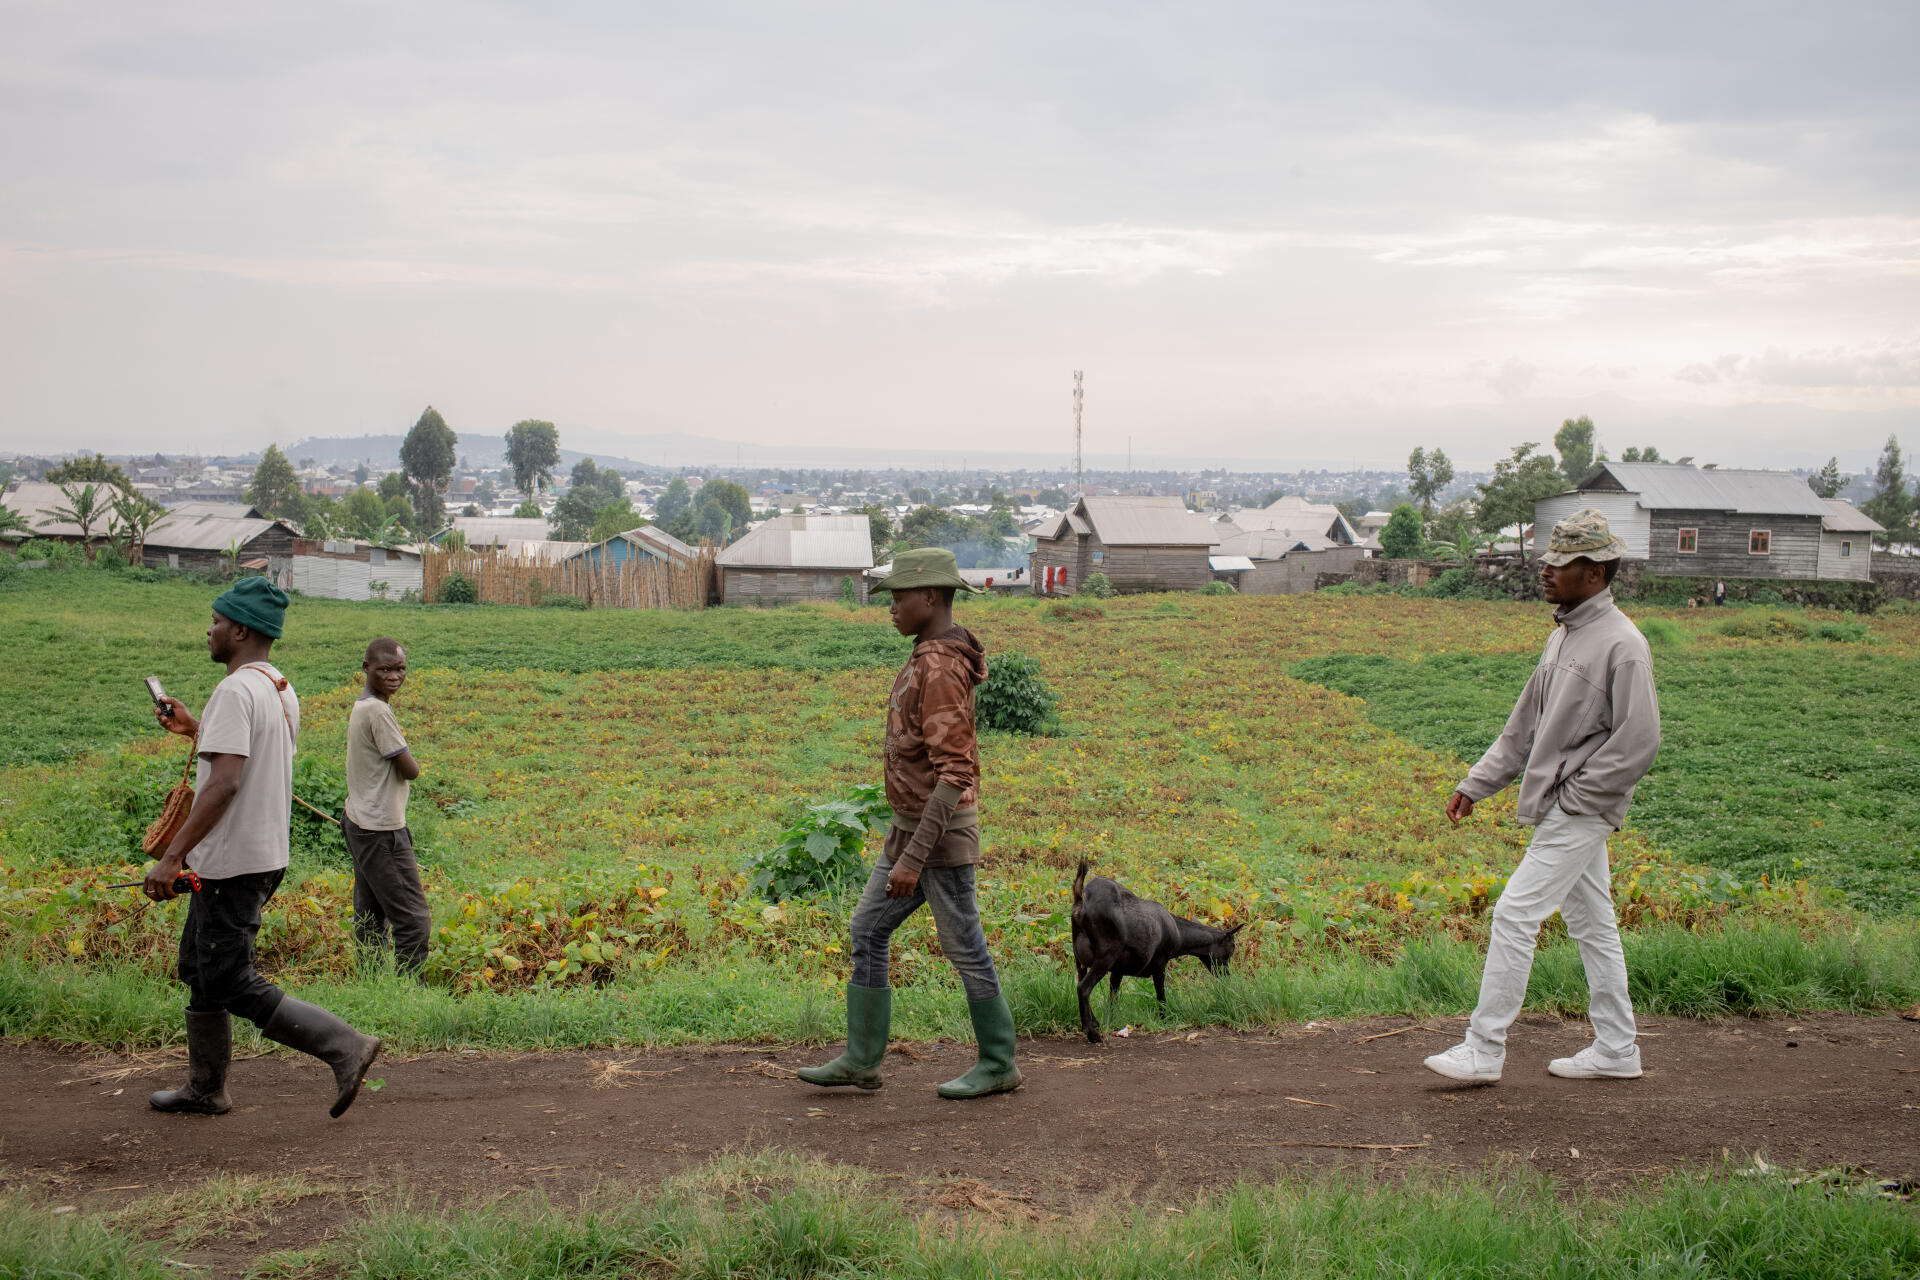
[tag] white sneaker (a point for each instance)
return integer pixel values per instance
(1463, 1064)
(1589, 1065)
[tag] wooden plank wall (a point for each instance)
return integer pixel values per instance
(1723, 545)
(1133, 569)
(525, 580)
(1058, 553)
(787, 586)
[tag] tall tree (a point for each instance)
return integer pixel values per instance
(88, 505)
(1574, 441)
(1427, 475)
(392, 485)
(89, 468)
(428, 455)
(1633, 453)
(276, 489)
(362, 515)
(533, 451)
(585, 472)
(677, 499)
(723, 510)
(879, 528)
(1827, 481)
(1518, 482)
(1401, 539)
(1891, 504)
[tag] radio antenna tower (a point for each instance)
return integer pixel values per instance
(1079, 471)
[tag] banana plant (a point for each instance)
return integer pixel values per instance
(87, 506)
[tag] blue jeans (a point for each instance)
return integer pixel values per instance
(956, 917)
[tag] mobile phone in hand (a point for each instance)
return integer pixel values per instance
(159, 696)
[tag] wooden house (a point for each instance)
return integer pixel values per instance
(650, 542)
(1705, 522)
(1286, 545)
(793, 558)
(1140, 543)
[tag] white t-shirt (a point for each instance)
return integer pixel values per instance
(376, 793)
(245, 717)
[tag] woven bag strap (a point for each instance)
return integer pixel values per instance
(280, 686)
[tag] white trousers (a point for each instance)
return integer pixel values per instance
(1564, 870)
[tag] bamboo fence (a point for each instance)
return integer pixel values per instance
(640, 582)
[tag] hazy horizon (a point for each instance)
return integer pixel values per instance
(1280, 235)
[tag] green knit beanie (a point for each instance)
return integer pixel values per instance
(254, 603)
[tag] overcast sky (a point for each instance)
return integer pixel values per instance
(1305, 233)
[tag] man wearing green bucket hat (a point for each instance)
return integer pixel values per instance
(237, 834)
(933, 784)
(1584, 733)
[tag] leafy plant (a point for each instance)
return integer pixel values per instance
(1014, 698)
(458, 588)
(824, 849)
(1217, 588)
(561, 600)
(1097, 585)
(849, 593)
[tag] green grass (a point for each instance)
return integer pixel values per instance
(1794, 761)
(1739, 969)
(80, 642)
(748, 1217)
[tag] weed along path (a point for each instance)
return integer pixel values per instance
(1155, 1119)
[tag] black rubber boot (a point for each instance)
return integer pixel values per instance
(209, 1050)
(311, 1029)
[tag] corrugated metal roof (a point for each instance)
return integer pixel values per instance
(487, 531)
(1269, 544)
(1303, 519)
(1664, 486)
(804, 542)
(1229, 564)
(1142, 521)
(660, 538)
(207, 533)
(1843, 517)
(231, 510)
(31, 500)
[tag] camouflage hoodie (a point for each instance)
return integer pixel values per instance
(931, 747)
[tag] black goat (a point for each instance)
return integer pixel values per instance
(1117, 935)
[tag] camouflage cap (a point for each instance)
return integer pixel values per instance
(1583, 534)
(923, 567)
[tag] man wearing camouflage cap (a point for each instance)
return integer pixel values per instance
(933, 783)
(1584, 733)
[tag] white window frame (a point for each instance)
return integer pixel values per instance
(1680, 543)
(1760, 533)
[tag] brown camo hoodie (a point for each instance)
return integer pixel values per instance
(930, 737)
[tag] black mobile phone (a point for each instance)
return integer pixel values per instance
(158, 695)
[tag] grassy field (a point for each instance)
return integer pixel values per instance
(772, 1216)
(599, 780)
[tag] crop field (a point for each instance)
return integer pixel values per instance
(596, 784)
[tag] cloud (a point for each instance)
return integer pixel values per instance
(1888, 365)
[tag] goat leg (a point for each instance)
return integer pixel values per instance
(1087, 983)
(1160, 984)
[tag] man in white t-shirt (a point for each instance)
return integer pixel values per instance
(380, 772)
(236, 834)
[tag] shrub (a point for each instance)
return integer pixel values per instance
(1460, 583)
(1097, 585)
(1848, 632)
(824, 849)
(1015, 699)
(1075, 611)
(1764, 624)
(561, 600)
(849, 593)
(1218, 588)
(1663, 633)
(458, 588)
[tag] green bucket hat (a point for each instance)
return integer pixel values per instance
(1583, 534)
(923, 567)
(254, 603)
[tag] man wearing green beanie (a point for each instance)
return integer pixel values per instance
(933, 784)
(237, 835)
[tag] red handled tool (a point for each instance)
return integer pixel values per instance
(187, 882)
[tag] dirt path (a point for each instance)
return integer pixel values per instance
(1140, 1117)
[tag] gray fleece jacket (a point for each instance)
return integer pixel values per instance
(1587, 725)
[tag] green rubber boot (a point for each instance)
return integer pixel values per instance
(869, 1013)
(994, 1072)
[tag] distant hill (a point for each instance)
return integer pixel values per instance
(382, 453)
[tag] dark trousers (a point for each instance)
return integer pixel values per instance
(216, 947)
(387, 896)
(956, 918)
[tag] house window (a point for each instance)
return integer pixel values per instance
(1689, 542)
(1759, 542)
(1846, 548)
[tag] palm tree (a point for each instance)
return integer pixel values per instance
(135, 514)
(390, 534)
(87, 505)
(10, 521)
